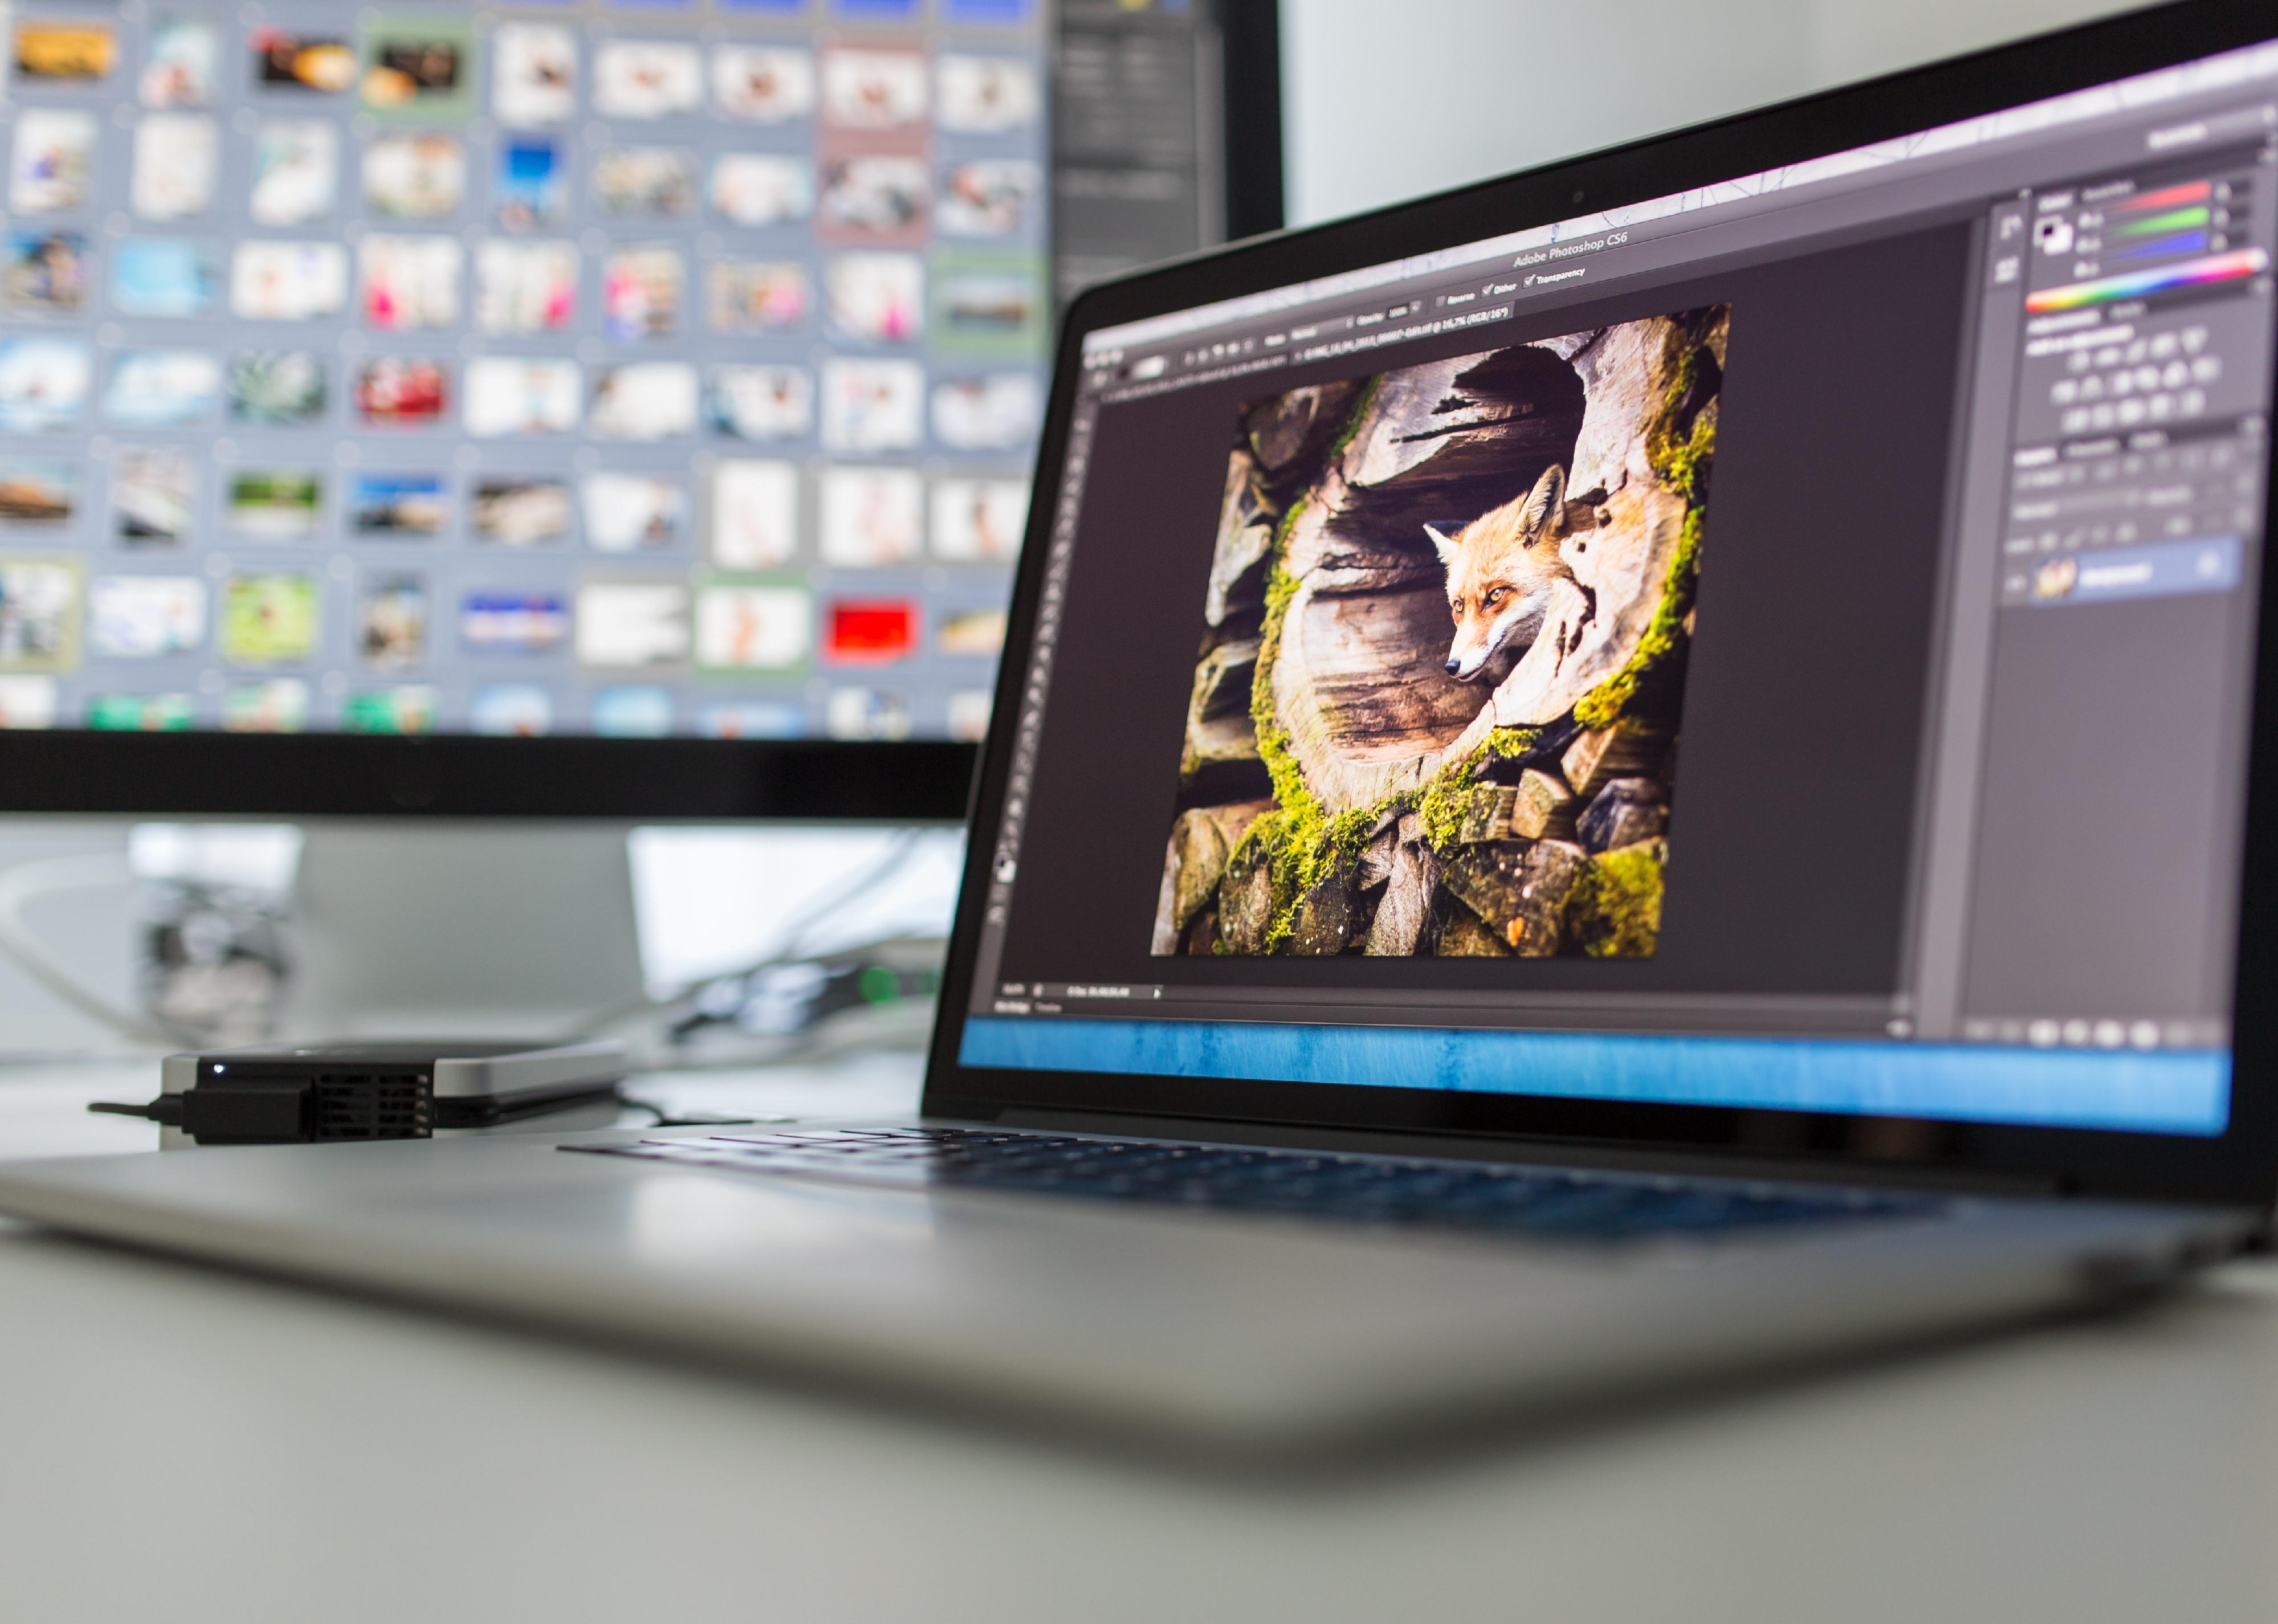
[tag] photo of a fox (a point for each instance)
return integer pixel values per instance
(1500, 569)
(1439, 686)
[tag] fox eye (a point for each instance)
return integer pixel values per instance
(1457, 606)
(1497, 596)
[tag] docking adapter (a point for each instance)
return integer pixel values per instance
(287, 1095)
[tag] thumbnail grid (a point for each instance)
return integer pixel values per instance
(632, 369)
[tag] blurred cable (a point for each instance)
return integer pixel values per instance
(789, 946)
(26, 883)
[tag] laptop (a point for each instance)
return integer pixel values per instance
(1643, 770)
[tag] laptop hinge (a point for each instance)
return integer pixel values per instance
(1557, 1153)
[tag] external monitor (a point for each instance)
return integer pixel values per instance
(598, 410)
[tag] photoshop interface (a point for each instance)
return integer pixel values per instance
(1928, 738)
(668, 368)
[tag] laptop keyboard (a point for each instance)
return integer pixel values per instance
(1551, 1204)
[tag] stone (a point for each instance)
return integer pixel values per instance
(1280, 427)
(1237, 580)
(1200, 940)
(1245, 901)
(1616, 912)
(1627, 811)
(1200, 840)
(1594, 759)
(1542, 807)
(1487, 813)
(1463, 934)
(1218, 727)
(1518, 889)
(1322, 922)
(1374, 866)
(1405, 908)
(1245, 537)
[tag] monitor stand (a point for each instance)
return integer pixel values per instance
(460, 929)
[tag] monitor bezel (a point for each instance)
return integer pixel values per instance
(2238, 1166)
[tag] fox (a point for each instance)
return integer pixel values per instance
(1501, 567)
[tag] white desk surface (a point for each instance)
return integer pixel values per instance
(180, 1445)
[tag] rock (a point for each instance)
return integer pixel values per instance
(1376, 857)
(1615, 911)
(1542, 807)
(1200, 940)
(1200, 840)
(1519, 889)
(1627, 810)
(1280, 427)
(1324, 918)
(1406, 907)
(1245, 536)
(1245, 901)
(1487, 813)
(1627, 749)
(1218, 727)
(1462, 934)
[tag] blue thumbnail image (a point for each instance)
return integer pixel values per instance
(632, 712)
(1002, 11)
(157, 276)
(530, 181)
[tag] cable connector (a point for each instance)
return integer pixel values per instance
(253, 1110)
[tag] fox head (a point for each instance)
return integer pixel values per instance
(1501, 567)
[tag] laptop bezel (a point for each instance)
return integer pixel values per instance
(2239, 1166)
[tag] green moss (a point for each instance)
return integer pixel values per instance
(1301, 840)
(1614, 910)
(1664, 634)
(1682, 465)
(1351, 431)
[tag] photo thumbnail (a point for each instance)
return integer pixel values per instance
(754, 295)
(761, 188)
(767, 84)
(521, 511)
(178, 64)
(295, 170)
(174, 173)
(647, 78)
(1445, 633)
(634, 513)
(37, 493)
(534, 73)
(420, 177)
(152, 492)
(874, 89)
(44, 273)
(985, 95)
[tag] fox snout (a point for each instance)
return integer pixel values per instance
(1500, 569)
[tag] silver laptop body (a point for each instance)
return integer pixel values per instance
(1820, 886)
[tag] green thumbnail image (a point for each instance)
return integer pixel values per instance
(986, 301)
(418, 67)
(390, 710)
(268, 619)
(140, 713)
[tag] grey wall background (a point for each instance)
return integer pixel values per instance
(1384, 99)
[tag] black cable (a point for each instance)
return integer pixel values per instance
(167, 1109)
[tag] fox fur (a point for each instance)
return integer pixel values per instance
(1501, 567)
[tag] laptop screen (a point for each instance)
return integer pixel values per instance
(1785, 644)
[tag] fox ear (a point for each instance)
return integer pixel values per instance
(1440, 545)
(1549, 493)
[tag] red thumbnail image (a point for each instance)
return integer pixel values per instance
(872, 631)
(401, 389)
